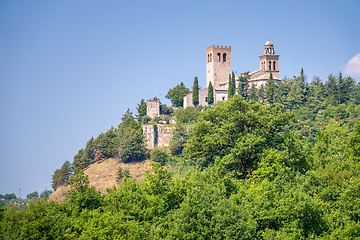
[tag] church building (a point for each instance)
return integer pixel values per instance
(218, 68)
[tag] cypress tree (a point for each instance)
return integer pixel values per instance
(270, 90)
(195, 93)
(243, 85)
(231, 89)
(233, 83)
(210, 98)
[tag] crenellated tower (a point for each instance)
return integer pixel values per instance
(218, 65)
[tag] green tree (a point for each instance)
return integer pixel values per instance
(77, 164)
(32, 195)
(243, 85)
(46, 193)
(316, 95)
(261, 93)
(295, 96)
(85, 157)
(62, 175)
(141, 110)
(270, 91)
(176, 95)
(195, 92)
(81, 195)
(131, 140)
(187, 115)
(345, 89)
(9, 196)
(238, 132)
(122, 173)
(210, 98)
(107, 143)
(354, 141)
(158, 155)
(253, 93)
(331, 90)
(231, 89)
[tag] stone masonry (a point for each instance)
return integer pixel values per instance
(153, 108)
(157, 135)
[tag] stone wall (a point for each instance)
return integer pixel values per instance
(157, 136)
(202, 98)
(150, 135)
(164, 135)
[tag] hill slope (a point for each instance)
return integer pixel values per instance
(103, 175)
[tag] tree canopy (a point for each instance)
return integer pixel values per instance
(238, 131)
(176, 95)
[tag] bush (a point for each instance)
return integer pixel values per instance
(187, 115)
(122, 173)
(158, 155)
(145, 119)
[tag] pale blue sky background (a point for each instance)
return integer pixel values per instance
(70, 69)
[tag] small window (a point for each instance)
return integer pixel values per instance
(224, 57)
(270, 65)
(223, 98)
(205, 99)
(210, 57)
(218, 57)
(274, 64)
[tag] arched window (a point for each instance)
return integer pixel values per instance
(218, 57)
(210, 57)
(274, 66)
(224, 57)
(270, 65)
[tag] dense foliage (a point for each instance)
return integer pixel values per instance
(282, 165)
(176, 95)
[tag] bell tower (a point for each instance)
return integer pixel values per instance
(269, 62)
(218, 65)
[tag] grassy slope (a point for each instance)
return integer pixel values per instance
(103, 176)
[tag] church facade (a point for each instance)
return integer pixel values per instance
(218, 68)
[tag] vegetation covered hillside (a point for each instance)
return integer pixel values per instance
(264, 165)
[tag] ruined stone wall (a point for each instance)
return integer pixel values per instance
(153, 108)
(164, 135)
(150, 136)
(157, 136)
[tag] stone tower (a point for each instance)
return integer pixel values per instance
(218, 65)
(269, 62)
(153, 108)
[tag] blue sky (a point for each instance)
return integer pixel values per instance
(70, 69)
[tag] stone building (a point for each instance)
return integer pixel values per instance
(157, 135)
(153, 108)
(218, 68)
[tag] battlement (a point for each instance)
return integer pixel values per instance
(219, 47)
(223, 46)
